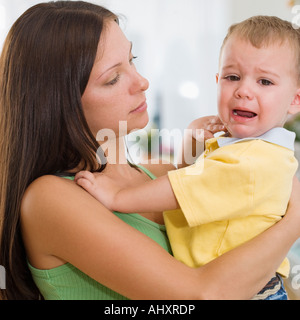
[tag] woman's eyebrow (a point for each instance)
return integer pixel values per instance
(117, 64)
(110, 68)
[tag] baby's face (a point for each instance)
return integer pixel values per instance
(257, 87)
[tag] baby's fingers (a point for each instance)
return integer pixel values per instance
(85, 184)
(214, 128)
(215, 125)
(90, 183)
(85, 179)
(85, 175)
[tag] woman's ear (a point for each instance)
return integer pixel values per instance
(295, 105)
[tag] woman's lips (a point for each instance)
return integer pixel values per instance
(141, 108)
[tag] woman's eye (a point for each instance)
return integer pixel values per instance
(265, 82)
(114, 81)
(131, 60)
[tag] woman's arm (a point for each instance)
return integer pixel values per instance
(73, 226)
(265, 253)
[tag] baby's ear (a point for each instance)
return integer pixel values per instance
(295, 105)
(217, 78)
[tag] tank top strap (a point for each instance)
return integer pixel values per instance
(148, 173)
(71, 176)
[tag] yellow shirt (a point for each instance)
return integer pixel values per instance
(231, 194)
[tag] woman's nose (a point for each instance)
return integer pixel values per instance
(139, 83)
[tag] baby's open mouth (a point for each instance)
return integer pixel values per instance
(244, 114)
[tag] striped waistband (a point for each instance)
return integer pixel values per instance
(271, 288)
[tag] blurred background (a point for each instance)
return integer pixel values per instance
(177, 43)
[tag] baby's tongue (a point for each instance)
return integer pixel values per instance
(246, 114)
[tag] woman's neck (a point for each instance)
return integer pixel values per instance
(116, 156)
(115, 151)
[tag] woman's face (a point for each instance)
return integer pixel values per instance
(115, 91)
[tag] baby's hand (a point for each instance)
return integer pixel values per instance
(204, 128)
(99, 186)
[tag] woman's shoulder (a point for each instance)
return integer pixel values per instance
(45, 187)
(159, 168)
(53, 210)
(50, 195)
(42, 208)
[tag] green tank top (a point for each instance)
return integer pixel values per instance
(66, 282)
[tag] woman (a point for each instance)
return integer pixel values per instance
(67, 72)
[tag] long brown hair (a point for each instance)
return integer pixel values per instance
(44, 69)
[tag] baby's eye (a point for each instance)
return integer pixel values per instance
(232, 78)
(265, 82)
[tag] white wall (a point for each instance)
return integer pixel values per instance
(243, 9)
(179, 43)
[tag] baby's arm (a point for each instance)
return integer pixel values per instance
(154, 196)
